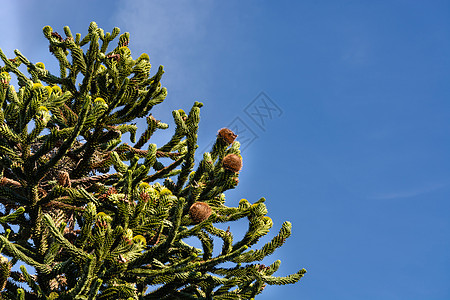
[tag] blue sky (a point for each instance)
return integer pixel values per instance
(356, 153)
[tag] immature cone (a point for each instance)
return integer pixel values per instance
(64, 179)
(232, 162)
(5, 271)
(227, 135)
(199, 212)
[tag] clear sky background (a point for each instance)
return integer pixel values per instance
(355, 148)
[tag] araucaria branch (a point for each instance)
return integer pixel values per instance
(97, 218)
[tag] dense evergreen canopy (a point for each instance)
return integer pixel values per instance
(98, 218)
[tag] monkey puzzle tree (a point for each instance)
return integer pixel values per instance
(98, 218)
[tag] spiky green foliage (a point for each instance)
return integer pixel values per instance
(89, 213)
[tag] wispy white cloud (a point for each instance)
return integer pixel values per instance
(10, 28)
(170, 34)
(412, 192)
(160, 25)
